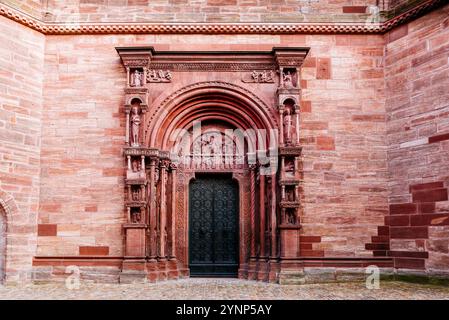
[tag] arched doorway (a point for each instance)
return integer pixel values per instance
(213, 226)
(205, 115)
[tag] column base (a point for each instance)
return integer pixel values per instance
(263, 269)
(252, 269)
(133, 271)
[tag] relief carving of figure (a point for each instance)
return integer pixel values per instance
(287, 127)
(136, 79)
(135, 126)
(266, 76)
(159, 76)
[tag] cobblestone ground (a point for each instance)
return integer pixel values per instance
(225, 289)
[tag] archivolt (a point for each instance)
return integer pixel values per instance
(204, 101)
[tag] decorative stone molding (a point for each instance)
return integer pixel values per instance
(215, 28)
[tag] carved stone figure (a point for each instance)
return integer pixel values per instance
(159, 76)
(288, 80)
(290, 195)
(135, 126)
(135, 165)
(289, 169)
(136, 194)
(266, 76)
(290, 217)
(136, 78)
(136, 216)
(287, 127)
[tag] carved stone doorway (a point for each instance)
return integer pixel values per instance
(213, 226)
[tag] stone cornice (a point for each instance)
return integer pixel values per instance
(214, 28)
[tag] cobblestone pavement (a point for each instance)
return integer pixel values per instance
(225, 289)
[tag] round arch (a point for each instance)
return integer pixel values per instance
(205, 101)
(8, 207)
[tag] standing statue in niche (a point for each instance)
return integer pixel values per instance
(135, 165)
(288, 80)
(287, 127)
(136, 216)
(135, 126)
(136, 78)
(290, 169)
(136, 194)
(290, 217)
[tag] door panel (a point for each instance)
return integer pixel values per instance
(213, 231)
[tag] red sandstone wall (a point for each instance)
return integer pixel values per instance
(31, 7)
(2, 243)
(206, 10)
(343, 130)
(21, 81)
(417, 84)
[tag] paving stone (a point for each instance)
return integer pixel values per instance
(195, 288)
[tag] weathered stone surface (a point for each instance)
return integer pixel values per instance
(21, 84)
(416, 71)
(373, 129)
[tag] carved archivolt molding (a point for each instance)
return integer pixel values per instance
(216, 28)
(209, 84)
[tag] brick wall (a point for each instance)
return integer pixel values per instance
(343, 131)
(21, 80)
(417, 82)
(2, 243)
(207, 10)
(31, 7)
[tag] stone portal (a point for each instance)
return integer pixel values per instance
(190, 114)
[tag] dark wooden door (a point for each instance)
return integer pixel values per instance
(213, 226)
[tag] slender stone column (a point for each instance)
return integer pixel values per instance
(297, 123)
(273, 217)
(152, 207)
(128, 82)
(163, 211)
(281, 125)
(127, 128)
(252, 169)
(173, 213)
(262, 215)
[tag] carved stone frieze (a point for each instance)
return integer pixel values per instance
(224, 67)
(265, 76)
(159, 75)
(148, 152)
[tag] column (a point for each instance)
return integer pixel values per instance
(252, 169)
(273, 217)
(262, 215)
(281, 125)
(152, 222)
(127, 128)
(163, 210)
(173, 213)
(297, 123)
